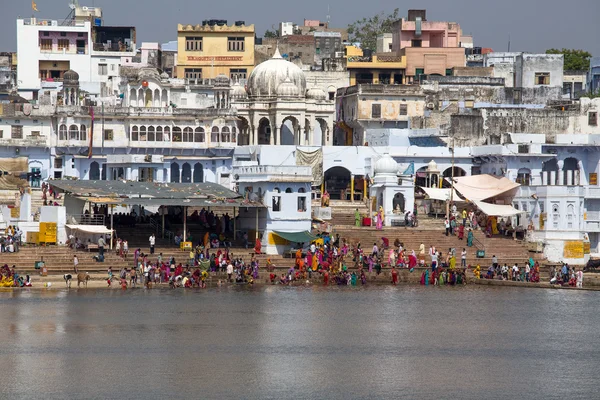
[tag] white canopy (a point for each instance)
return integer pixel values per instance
(440, 194)
(496, 210)
(96, 229)
(483, 187)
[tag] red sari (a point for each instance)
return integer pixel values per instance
(257, 246)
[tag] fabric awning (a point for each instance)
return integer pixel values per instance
(440, 194)
(297, 237)
(97, 229)
(483, 187)
(497, 210)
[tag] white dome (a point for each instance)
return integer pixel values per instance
(386, 165)
(316, 94)
(238, 92)
(432, 166)
(287, 89)
(267, 76)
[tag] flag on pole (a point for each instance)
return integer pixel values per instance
(91, 146)
(34, 6)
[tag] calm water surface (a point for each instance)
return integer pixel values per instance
(301, 343)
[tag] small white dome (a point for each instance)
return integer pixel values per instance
(221, 80)
(432, 166)
(287, 89)
(266, 78)
(238, 92)
(386, 165)
(316, 94)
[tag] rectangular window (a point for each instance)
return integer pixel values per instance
(63, 34)
(403, 109)
(108, 134)
(193, 43)
(1, 134)
(469, 104)
(63, 44)
(593, 118)
(419, 71)
(416, 43)
(542, 78)
(102, 69)
(235, 74)
(302, 204)
(193, 73)
(35, 134)
(448, 71)
(16, 132)
(80, 34)
(46, 34)
(46, 44)
(376, 111)
(235, 44)
(276, 203)
(58, 163)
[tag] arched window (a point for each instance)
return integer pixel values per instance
(198, 173)
(62, 132)
(188, 134)
(301, 190)
(167, 134)
(225, 134)
(94, 171)
(276, 200)
(524, 177)
(73, 132)
(233, 135)
(82, 132)
(134, 134)
(177, 134)
(214, 135)
(143, 136)
(151, 136)
(289, 190)
(199, 136)
(159, 134)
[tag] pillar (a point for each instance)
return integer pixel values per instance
(272, 135)
(352, 188)
(552, 181)
(256, 226)
(561, 175)
(570, 177)
(365, 194)
(544, 177)
(234, 224)
(184, 223)
(180, 174)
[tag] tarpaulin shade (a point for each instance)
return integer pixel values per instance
(483, 187)
(296, 237)
(440, 194)
(496, 210)
(98, 229)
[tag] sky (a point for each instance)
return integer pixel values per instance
(533, 25)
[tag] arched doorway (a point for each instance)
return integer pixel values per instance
(337, 182)
(421, 177)
(94, 171)
(186, 173)
(198, 173)
(174, 173)
(243, 138)
(321, 133)
(399, 202)
(289, 131)
(457, 172)
(264, 131)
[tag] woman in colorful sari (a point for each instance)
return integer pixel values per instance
(257, 246)
(392, 258)
(470, 238)
(206, 241)
(461, 232)
(380, 218)
(412, 261)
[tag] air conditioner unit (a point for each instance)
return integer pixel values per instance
(339, 54)
(430, 105)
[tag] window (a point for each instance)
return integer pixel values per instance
(167, 134)
(235, 74)
(46, 34)
(301, 203)
(289, 190)
(214, 134)
(542, 78)
(416, 43)
(102, 69)
(193, 73)
(108, 134)
(469, 104)
(1, 134)
(199, 135)
(151, 136)
(193, 43)
(63, 44)
(35, 134)
(376, 111)
(58, 163)
(233, 132)
(188, 134)
(448, 71)
(276, 203)
(63, 34)
(403, 109)
(82, 132)
(135, 136)
(593, 118)
(419, 71)
(524, 177)
(142, 133)
(80, 34)
(177, 134)
(62, 132)
(16, 132)
(235, 44)
(46, 44)
(225, 134)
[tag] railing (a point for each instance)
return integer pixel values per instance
(478, 244)
(85, 219)
(593, 216)
(116, 47)
(156, 225)
(273, 170)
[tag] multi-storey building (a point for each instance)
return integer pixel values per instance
(214, 48)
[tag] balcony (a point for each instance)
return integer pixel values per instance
(114, 47)
(273, 173)
(592, 192)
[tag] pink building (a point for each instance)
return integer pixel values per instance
(430, 47)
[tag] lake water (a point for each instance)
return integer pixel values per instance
(303, 343)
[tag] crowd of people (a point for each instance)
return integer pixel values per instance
(566, 276)
(10, 241)
(10, 278)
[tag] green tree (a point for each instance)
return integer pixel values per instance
(272, 34)
(575, 60)
(366, 30)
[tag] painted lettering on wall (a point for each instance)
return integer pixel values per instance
(215, 58)
(573, 249)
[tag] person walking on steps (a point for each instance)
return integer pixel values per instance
(152, 241)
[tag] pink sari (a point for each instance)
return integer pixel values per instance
(379, 221)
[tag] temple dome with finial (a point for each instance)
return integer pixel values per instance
(432, 166)
(386, 165)
(238, 92)
(71, 77)
(221, 80)
(316, 94)
(287, 89)
(265, 79)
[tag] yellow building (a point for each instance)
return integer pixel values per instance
(214, 48)
(377, 68)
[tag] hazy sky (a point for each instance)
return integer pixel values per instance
(533, 25)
